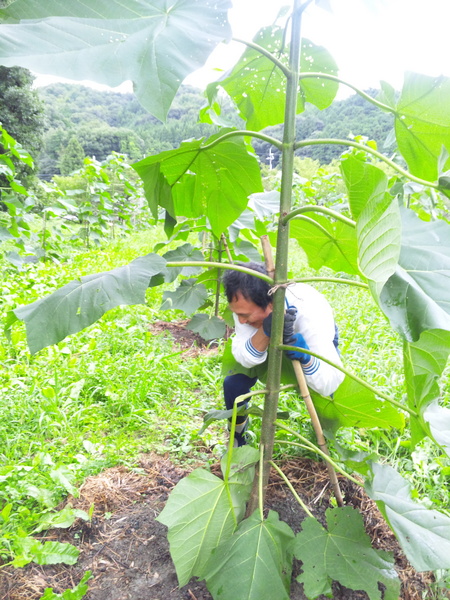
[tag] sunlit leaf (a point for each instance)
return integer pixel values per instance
(422, 123)
(326, 243)
(378, 225)
(424, 534)
(215, 182)
(82, 302)
(343, 553)
(153, 43)
(255, 563)
(258, 86)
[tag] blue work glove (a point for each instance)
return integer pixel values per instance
(288, 327)
(297, 340)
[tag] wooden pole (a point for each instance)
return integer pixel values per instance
(304, 392)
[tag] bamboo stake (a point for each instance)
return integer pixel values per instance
(304, 392)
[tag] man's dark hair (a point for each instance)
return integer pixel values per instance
(252, 288)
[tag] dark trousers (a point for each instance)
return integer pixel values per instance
(234, 386)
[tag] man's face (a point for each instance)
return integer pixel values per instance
(249, 312)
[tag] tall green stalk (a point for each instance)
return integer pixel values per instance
(281, 263)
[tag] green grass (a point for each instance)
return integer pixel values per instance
(106, 395)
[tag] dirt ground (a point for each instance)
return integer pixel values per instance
(128, 553)
(127, 550)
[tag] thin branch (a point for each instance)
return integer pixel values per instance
(369, 150)
(354, 377)
(285, 70)
(244, 133)
(319, 209)
(220, 266)
(291, 487)
(353, 87)
(334, 280)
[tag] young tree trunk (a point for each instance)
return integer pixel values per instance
(281, 264)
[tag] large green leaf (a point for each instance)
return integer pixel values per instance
(429, 355)
(424, 362)
(82, 302)
(422, 123)
(415, 298)
(258, 86)
(378, 226)
(353, 405)
(153, 43)
(215, 181)
(423, 534)
(343, 553)
(363, 181)
(203, 510)
(326, 243)
(255, 564)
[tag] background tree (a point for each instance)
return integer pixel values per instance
(72, 158)
(22, 111)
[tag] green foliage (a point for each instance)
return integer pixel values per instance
(72, 157)
(203, 511)
(255, 563)
(331, 554)
(402, 257)
(22, 113)
(102, 44)
(423, 534)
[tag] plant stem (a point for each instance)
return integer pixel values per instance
(310, 446)
(361, 93)
(261, 488)
(193, 263)
(360, 284)
(265, 53)
(356, 378)
(287, 170)
(320, 209)
(369, 150)
(291, 487)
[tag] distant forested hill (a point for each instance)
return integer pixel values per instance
(105, 121)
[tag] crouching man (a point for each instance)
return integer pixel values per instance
(308, 324)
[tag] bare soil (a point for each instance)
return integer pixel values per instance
(128, 553)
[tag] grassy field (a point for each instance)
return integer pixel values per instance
(117, 390)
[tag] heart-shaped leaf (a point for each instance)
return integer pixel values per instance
(353, 405)
(258, 86)
(415, 297)
(215, 180)
(326, 243)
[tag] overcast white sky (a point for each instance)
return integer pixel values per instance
(369, 39)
